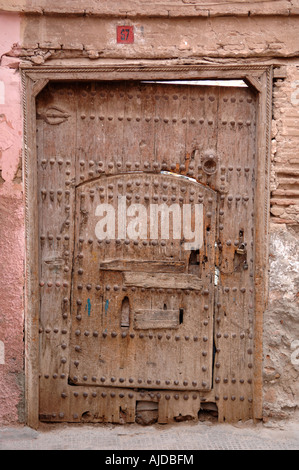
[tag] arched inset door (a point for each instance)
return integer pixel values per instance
(142, 308)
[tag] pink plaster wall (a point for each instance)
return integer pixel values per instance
(11, 228)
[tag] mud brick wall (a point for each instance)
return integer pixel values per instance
(281, 323)
(182, 31)
(12, 239)
(285, 144)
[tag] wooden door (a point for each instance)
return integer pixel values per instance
(146, 224)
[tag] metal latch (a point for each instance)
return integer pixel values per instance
(241, 250)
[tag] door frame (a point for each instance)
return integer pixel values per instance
(257, 76)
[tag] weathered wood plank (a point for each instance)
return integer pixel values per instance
(163, 266)
(162, 280)
(152, 319)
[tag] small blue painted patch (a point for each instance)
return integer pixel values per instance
(88, 307)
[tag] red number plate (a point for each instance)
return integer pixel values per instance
(125, 34)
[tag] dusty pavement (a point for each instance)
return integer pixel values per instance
(179, 437)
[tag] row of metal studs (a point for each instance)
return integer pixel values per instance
(150, 335)
(164, 165)
(139, 381)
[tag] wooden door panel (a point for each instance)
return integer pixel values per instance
(128, 317)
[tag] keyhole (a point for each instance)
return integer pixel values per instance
(194, 258)
(125, 313)
(194, 263)
(181, 315)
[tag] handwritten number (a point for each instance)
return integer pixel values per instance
(124, 34)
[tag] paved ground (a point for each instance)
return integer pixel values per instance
(181, 436)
